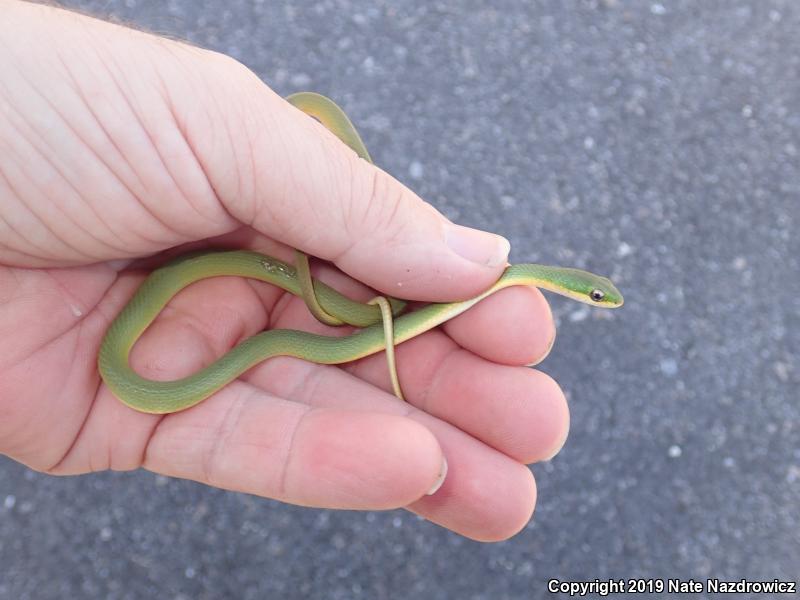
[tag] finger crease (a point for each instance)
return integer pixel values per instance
(284, 474)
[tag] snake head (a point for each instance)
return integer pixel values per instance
(577, 284)
(597, 291)
(582, 286)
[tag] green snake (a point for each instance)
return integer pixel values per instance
(380, 331)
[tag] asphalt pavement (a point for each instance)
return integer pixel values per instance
(656, 142)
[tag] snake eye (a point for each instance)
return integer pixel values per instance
(597, 295)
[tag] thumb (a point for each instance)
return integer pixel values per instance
(312, 192)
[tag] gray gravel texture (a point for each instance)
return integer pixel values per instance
(654, 142)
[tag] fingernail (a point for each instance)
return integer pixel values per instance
(555, 452)
(546, 352)
(482, 247)
(439, 480)
(558, 446)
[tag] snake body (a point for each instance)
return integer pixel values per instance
(162, 284)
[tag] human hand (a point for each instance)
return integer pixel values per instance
(118, 146)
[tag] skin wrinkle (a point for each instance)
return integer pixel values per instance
(19, 257)
(189, 323)
(256, 210)
(154, 433)
(5, 106)
(187, 49)
(82, 324)
(251, 156)
(367, 222)
(254, 286)
(148, 437)
(307, 386)
(26, 423)
(238, 328)
(136, 113)
(82, 254)
(182, 129)
(180, 236)
(291, 186)
(394, 216)
(109, 309)
(286, 459)
(346, 209)
(281, 187)
(232, 146)
(93, 465)
(379, 210)
(57, 335)
(8, 295)
(220, 438)
(22, 206)
(372, 193)
(85, 311)
(343, 251)
(120, 154)
(27, 356)
(98, 156)
(288, 185)
(346, 178)
(438, 373)
(393, 227)
(280, 307)
(252, 160)
(69, 377)
(400, 407)
(124, 95)
(423, 392)
(4, 241)
(54, 164)
(76, 346)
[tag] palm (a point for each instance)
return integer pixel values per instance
(70, 423)
(51, 324)
(51, 328)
